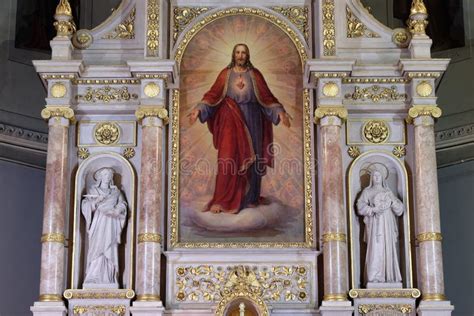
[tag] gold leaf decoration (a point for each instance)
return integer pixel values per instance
(297, 15)
(183, 16)
(355, 28)
(125, 30)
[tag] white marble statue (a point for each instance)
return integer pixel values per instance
(105, 211)
(380, 208)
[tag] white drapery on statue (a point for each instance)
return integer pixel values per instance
(105, 211)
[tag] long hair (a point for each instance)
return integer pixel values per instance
(247, 64)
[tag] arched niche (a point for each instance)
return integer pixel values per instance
(124, 179)
(396, 178)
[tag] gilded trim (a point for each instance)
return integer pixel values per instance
(53, 237)
(148, 298)
(105, 81)
(153, 27)
(125, 30)
(355, 27)
(182, 16)
(384, 293)
(429, 236)
(149, 237)
(327, 237)
(50, 298)
(336, 297)
(365, 309)
(329, 28)
(433, 297)
(374, 80)
(298, 16)
(98, 294)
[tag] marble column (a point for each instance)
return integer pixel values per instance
(334, 226)
(55, 204)
(149, 221)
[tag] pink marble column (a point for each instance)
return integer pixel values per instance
(52, 249)
(149, 220)
(430, 263)
(333, 210)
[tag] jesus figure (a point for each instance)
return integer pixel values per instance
(239, 110)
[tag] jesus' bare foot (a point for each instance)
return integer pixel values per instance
(215, 209)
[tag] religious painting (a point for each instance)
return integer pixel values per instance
(242, 110)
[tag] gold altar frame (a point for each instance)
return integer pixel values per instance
(299, 42)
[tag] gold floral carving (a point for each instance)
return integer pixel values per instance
(153, 27)
(401, 37)
(429, 236)
(98, 294)
(423, 110)
(376, 93)
(206, 283)
(125, 30)
(399, 151)
(58, 90)
(353, 151)
(376, 131)
(149, 237)
(433, 297)
(339, 111)
(355, 28)
(53, 237)
(118, 310)
(128, 153)
(327, 237)
(384, 293)
(83, 153)
(183, 16)
(417, 21)
(297, 15)
(153, 111)
(329, 28)
(365, 309)
(82, 39)
(107, 133)
(50, 298)
(107, 94)
(330, 89)
(57, 111)
(424, 89)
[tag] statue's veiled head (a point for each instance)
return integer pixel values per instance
(104, 176)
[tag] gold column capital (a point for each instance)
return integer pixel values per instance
(53, 237)
(58, 111)
(417, 21)
(423, 110)
(327, 237)
(152, 111)
(429, 236)
(339, 111)
(149, 237)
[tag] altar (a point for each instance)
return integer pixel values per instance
(241, 158)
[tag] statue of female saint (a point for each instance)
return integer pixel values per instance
(380, 208)
(105, 211)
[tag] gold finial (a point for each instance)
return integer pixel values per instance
(418, 18)
(64, 21)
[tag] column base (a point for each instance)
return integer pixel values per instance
(48, 309)
(147, 308)
(435, 308)
(334, 308)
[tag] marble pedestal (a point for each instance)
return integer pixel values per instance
(147, 308)
(335, 308)
(107, 302)
(435, 308)
(48, 309)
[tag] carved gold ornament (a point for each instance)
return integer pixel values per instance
(98, 294)
(153, 111)
(417, 21)
(376, 93)
(321, 112)
(423, 110)
(365, 309)
(50, 298)
(57, 112)
(297, 15)
(327, 237)
(53, 237)
(151, 90)
(183, 16)
(153, 27)
(429, 236)
(128, 153)
(82, 39)
(107, 94)
(64, 28)
(58, 90)
(424, 89)
(399, 151)
(107, 133)
(149, 237)
(353, 151)
(401, 37)
(64, 23)
(330, 89)
(125, 30)
(374, 80)
(118, 310)
(83, 153)
(355, 28)
(207, 283)
(433, 75)
(384, 293)
(329, 28)
(376, 131)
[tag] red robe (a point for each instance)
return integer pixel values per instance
(232, 140)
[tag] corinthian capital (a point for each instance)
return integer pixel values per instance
(58, 111)
(338, 111)
(423, 110)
